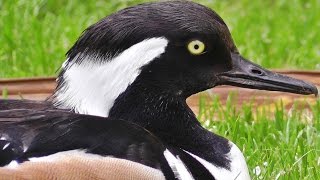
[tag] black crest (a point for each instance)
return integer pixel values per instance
(119, 31)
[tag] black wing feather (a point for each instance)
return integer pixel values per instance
(36, 133)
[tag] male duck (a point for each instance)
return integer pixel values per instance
(137, 67)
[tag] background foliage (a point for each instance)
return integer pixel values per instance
(36, 34)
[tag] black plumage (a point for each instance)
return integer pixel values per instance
(36, 133)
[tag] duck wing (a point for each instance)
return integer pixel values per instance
(26, 134)
(31, 136)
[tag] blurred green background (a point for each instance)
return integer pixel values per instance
(36, 34)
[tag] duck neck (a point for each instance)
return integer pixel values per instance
(169, 118)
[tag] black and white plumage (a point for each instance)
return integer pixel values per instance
(136, 68)
(27, 132)
(29, 135)
(26, 135)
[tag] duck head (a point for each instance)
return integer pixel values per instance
(176, 47)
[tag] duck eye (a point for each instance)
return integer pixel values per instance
(196, 47)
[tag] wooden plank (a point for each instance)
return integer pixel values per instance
(41, 88)
(28, 86)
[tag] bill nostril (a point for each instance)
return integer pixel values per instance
(257, 72)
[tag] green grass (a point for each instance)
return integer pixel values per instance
(35, 34)
(280, 144)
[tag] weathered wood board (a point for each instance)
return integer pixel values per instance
(41, 88)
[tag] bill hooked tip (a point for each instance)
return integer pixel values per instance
(310, 88)
(316, 93)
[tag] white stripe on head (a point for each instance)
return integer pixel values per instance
(179, 169)
(238, 166)
(91, 87)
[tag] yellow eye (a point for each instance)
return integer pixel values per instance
(196, 47)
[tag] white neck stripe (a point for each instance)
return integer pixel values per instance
(91, 88)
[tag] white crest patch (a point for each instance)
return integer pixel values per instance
(238, 166)
(179, 169)
(92, 87)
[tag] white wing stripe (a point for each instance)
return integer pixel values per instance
(179, 169)
(238, 167)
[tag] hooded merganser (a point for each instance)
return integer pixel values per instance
(138, 66)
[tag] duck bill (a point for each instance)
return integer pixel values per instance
(249, 75)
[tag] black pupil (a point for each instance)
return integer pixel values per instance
(196, 46)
